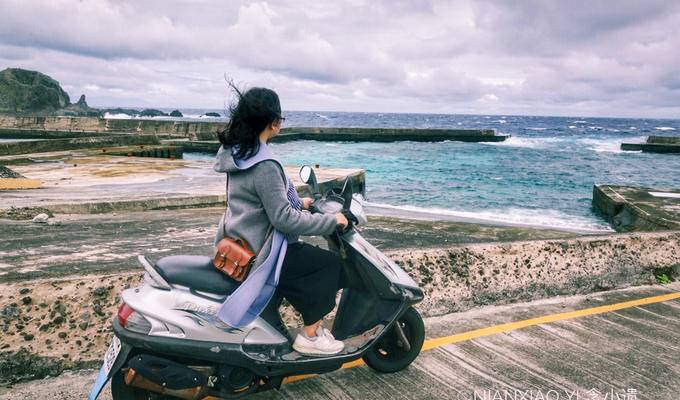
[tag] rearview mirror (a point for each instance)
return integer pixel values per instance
(306, 173)
(347, 191)
(308, 176)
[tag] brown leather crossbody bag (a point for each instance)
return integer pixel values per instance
(234, 257)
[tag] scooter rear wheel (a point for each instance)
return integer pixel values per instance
(389, 354)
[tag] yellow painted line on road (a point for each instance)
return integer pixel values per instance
(511, 326)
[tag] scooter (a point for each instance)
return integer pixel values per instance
(168, 342)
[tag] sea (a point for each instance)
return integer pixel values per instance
(542, 176)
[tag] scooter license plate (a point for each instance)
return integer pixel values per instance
(103, 376)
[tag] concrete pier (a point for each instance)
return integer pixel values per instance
(48, 145)
(390, 135)
(655, 144)
(207, 131)
(638, 209)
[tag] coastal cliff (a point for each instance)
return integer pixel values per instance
(32, 92)
(26, 91)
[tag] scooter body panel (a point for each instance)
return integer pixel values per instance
(185, 314)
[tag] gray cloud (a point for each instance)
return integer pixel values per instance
(546, 57)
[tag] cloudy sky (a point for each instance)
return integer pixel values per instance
(577, 58)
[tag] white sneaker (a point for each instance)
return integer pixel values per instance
(323, 344)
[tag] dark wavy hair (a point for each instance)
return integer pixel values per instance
(250, 114)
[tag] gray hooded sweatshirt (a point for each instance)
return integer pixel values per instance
(257, 203)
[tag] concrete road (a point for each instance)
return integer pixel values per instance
(105, 243)
(622, 344)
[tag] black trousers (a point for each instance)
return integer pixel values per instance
(310, 279)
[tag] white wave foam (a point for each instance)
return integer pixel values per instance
(537, 129)
(322, 116)
(578, 121)
(666, 195)
(552, 219)
(501, 121)
(608, 145)
(117, 116)
(664, 128)
(528, 142)
(572, 126)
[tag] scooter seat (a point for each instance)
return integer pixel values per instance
(195, 272)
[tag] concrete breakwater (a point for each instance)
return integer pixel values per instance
(41, 146)
(207, 131)
(183, 129)
(390, 135)
(655, 144)
(51, 325)
(636, 208)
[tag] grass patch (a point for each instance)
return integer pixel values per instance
(664, 276)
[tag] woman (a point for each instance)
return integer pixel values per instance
(263, 206)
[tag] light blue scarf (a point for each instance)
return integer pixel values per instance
(247, 302)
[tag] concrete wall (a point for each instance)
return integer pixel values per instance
(655, 144)
(664, 139)
(53, 123)
(462, 277)
(38, 146)
(208, 130)
(192, 130)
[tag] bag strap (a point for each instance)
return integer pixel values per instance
(226, 205)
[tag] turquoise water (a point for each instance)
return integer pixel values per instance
(542, 176)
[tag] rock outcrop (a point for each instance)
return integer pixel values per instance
(151, 112)
(80, 109)
(176, 113)
(30, 91)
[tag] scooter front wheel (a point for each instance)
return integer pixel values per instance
(390, 353)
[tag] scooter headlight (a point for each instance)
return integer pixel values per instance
(412, 294)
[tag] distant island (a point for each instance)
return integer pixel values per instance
(25, 92)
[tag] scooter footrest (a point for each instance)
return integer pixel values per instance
(352, 344)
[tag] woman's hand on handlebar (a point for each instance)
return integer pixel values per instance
(306, 202)
(341, 220)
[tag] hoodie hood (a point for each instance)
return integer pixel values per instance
(224, 161)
